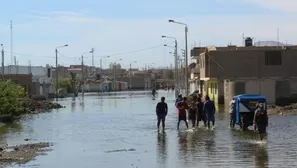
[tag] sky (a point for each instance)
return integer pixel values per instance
(131, 30)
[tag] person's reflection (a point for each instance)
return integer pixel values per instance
(261, 157)
(210, 143)
(162, 149)
(183, 146)
(73, 104)
(82, 105)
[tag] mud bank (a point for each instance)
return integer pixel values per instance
(22, 154)
(288, 110)
(37, 106)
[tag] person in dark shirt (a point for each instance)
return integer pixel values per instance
(209, 110)
(193, 111)
(182, 113)
(161, 111)
(200, 114)
(261, 120)
(153, 91)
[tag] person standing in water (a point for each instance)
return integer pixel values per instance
(193, 112)
(161, 111)
(209, 110)
(200, 113)
(261, 120)
(154, 92)
(232, 113)
(182, 113)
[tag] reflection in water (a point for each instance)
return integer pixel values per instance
(162, 149)
(73, 104)
(261, 157)
(82, 104)
(9, 128)
(183, 146)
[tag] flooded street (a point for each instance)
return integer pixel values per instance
(119, 130)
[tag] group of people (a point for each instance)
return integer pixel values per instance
(195, 111)
(203, 110)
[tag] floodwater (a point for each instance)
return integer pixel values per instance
(119, 130)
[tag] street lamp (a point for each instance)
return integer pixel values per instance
(2, 53)
(101, 63)
(175, 62)
(82, 70)
(114, 72)
(130, 76)
(57, 83)
(186, 52)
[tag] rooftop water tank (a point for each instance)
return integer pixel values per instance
(248, 42)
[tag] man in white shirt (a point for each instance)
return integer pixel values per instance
(232, 113)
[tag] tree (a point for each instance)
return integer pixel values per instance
(10, 96)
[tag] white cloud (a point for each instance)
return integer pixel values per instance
(40, 37)
(280, 5)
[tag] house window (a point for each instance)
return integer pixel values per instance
(273, 57)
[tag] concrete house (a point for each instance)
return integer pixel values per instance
(41, 77)
(227, 71)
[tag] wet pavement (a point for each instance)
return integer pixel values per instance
(119, 130)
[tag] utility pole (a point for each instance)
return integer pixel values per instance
(11, 51)
(186, 61)
(93, 57)
(101, 67)
(114, 76)
(2, 53)
(130, 74)
(82, 75)
(176, 85)
(57, 83)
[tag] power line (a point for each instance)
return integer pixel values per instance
(122, 53)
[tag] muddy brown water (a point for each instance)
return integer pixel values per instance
(119, 130)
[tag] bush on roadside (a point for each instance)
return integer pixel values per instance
(10, 98)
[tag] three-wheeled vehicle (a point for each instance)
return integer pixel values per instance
(245, 106)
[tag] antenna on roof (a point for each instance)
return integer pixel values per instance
(277, 38)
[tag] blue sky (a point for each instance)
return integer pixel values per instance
(118, 26)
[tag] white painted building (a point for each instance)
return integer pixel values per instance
(41, 75)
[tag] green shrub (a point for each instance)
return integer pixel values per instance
(11, 95)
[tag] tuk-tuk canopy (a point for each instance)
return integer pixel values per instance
(250, 97)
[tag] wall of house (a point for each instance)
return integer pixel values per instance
(246, 63)
(273, 89)
(137, 82)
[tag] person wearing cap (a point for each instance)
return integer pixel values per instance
(161, 111)
(260, 120)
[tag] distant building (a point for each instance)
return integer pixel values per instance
(223, 72)
(41, 77)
